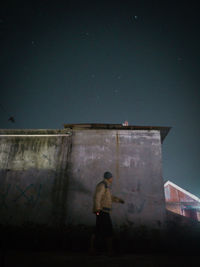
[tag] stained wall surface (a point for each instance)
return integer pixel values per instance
(33, 179)
(134, 158)
(50, 180)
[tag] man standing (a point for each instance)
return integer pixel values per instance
(102, 206)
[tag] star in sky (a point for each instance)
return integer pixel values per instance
(98, 98)
(33, 43)
(116, 91)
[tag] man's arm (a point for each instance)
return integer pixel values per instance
(100, 190)
(117, 200)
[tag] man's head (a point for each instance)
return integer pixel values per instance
(108, 176)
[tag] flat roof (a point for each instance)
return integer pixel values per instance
(163, 130)
(82, 126)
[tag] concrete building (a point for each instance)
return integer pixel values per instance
(48, 177)
(181, 202)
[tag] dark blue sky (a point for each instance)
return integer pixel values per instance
(107, 62)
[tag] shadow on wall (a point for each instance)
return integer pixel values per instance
(36, 196)
(77, 185)
(32, 195)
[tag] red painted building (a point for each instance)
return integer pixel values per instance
(181, 201)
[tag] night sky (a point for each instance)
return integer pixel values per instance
(106, 62)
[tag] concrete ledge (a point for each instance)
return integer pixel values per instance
(8, 132)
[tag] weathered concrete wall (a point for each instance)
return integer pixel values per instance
(50, 180)
(34, 179)
(134, 158)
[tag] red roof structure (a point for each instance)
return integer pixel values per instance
(181, 201)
